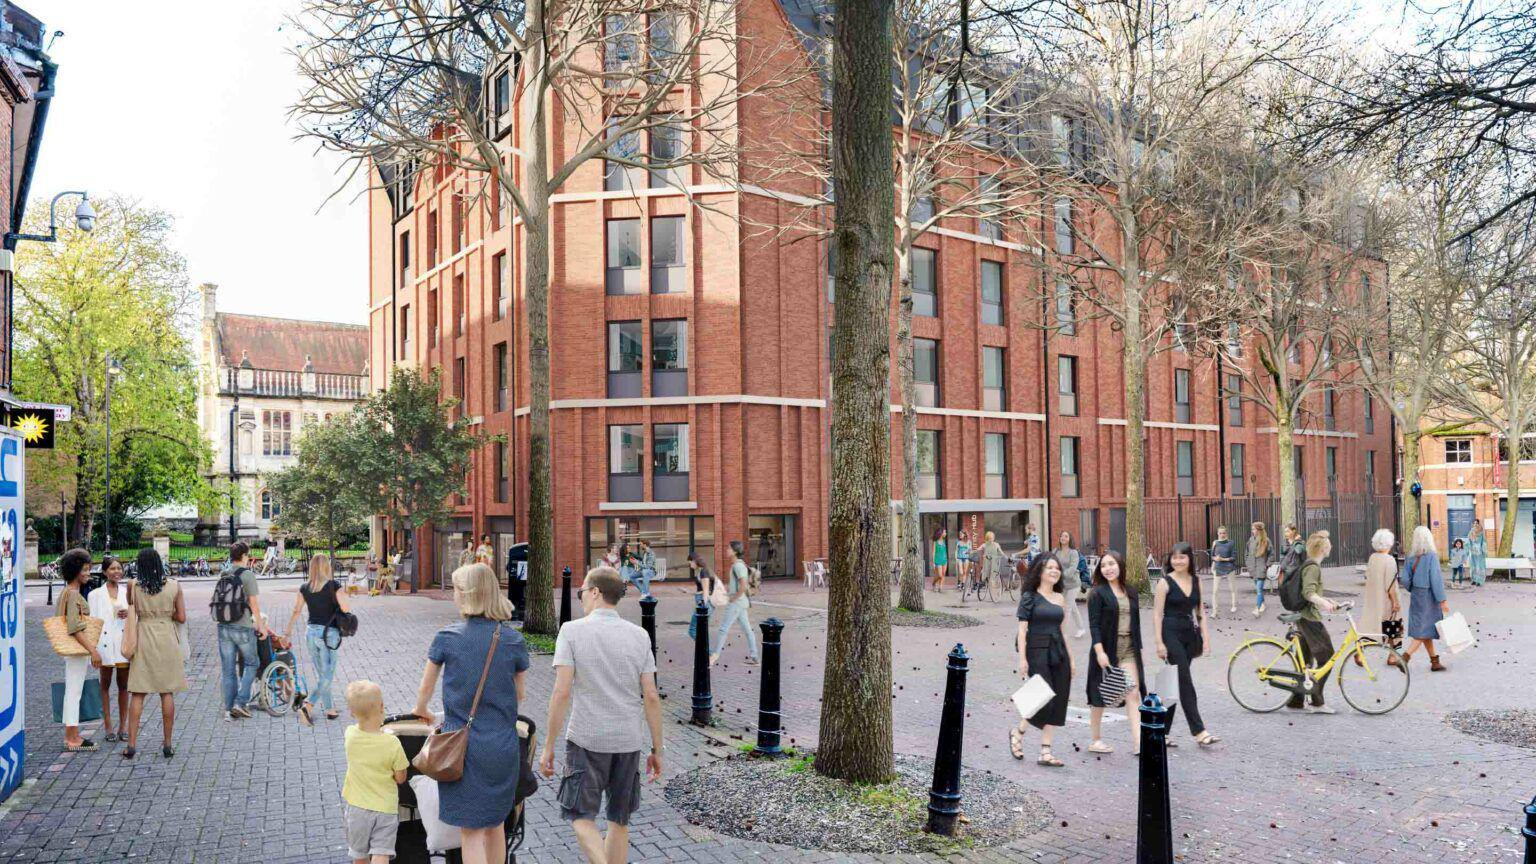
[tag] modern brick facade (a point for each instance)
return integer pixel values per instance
(753, 396)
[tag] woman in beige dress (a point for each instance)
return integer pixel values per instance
(1380, 601)
(157, 665)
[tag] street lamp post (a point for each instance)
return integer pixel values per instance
(85, 219)
(114, 369)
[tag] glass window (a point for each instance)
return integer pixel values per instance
(994, 394)
(1061, 140)
(925, 285)
(432, 318)
(669, 448)
(1066, 309)
(995, 454)
(500, 300)
(501, 472)
(831, 272)
(1066, 384)
(669, 345)
(1184, 455)
(270, 509)
(625, 446)
(1331, 467)
(922, 207)
(1370, 472)
(405, 331)
(925, 372)
(667, 241)
(991, 292)
(459, 313)
(618, 176)
(1181, 406)
(1369, 409)
(1234, 400)
(1329, 416)
(277, 433)
(667, 150)
(1234, 339)
(928, 457)
(624, 347)
(1063, 231)
(1070, 482)
(622, 49)
(503, 376)
(1236, 468)
(623, 243)
(1459, 451)
(503, 93)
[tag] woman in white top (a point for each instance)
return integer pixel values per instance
(110, 604)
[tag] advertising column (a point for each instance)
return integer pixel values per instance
(12, 616)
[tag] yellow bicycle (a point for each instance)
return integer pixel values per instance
(1264, 673)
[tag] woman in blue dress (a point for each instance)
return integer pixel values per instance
(480, 801)
(1477, 553)
(1426, 591)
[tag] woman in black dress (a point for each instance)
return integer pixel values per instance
(1178, 621)
(1043, 652)
(1114, 618)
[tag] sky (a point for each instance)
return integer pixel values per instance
(183, 105)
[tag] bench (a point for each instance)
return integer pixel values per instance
(1518, 568)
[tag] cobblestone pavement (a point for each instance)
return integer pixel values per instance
(1278, 788)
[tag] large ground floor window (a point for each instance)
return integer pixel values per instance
(671, 538)
(1009, 527)
(771, 544)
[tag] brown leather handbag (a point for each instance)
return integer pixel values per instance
(442, 756)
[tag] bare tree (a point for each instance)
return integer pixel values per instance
(391, 84)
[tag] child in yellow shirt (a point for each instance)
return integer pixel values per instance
(376, 764)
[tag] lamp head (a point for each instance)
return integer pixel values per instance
(114, 367)
(85, 214)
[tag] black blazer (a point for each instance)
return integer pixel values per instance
(1104, 621)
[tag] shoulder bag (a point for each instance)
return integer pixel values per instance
(130, 644)
(442, 755)
(62, 641)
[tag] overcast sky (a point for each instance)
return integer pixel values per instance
(183, 105)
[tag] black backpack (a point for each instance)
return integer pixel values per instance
(229, 603)
(1290, 590)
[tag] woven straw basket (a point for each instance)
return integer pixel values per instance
(66, 645)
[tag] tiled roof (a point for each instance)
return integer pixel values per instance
(283, 343)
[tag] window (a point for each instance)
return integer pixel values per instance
(990, 201)
(991, 292)
(1183, 331)
(1458, 451)
(1370, 414)
(501, 95)
(1234, 339)
(1327, 349)
(270, 509)
(1071, 486)
(460, 403)
(405, 259)
(995, 454)
(431, 239)
(456, 221)
(1365, 289)
(667, 151)
(626, 446)
(1061, 140)
(432, 315)
(1066, 384)
(621, 51)
(625, 175)
(1234, 399)
(1181, 406)
(624, 359)
(669, 358)
(922, 208)
(1527, 450)
(925, 372)
(501, 472)
(1370, 472)
(1236, 457)
(503, 376)
(1063, 232)
(500, 301)
(668, 241)
(458, 305)
(994, 389)
(277, 433)
(831, 273)
(1330, 417)
(1293, 353)
(669, 461)
(623, 256)
(1331, 468)
(405, 331)
(925, 285)
(1184, 456)
(1066, 309)
(928, 458)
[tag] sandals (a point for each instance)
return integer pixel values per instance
(1048, 760)
(167, 751)
(129, 753)
(85, 744)
(1016, 742)
(1206, 739)
(1100, 747)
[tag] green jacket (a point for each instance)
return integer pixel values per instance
(1311, 583)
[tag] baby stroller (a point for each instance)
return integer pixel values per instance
(411, 841)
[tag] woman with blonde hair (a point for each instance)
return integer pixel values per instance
(1427, 603)
(479, 645)
(1316, 645)
(323, 597)
(1260, 553)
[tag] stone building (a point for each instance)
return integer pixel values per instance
(262, 382)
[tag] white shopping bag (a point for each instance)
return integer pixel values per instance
(1166, 684)
(440, 835)
(1033, 696)
(1455, 633)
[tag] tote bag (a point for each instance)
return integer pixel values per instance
(1166, 684)
(1113, 686)
(1455, 633)
(1034, 695)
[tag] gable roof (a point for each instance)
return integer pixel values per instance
(284, 343)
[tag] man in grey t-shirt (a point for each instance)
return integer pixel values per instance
(605, 675)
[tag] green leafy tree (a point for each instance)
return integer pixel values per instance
(405, 453)
(117, 293)
(320, 496)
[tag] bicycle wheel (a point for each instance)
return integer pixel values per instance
(1371, 684)
(1249, 674)
(277, 688)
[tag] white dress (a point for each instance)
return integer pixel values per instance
(102, 606)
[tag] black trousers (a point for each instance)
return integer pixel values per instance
(1182, 639)
(517, 592)
(1316, 648)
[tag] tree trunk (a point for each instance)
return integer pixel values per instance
(855, 724)
(1285, 449)
(911, 519)
(540, 615)
(1506, 545)
(1408, 505)
(1135, 451)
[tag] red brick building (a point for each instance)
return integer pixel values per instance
(691, 374)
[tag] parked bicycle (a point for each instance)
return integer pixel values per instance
(1264, 672)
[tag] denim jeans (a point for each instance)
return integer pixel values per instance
(730, 613)
(324, 658)
(1258, 587)
(237, 641)
(693, 621)
(641, 578)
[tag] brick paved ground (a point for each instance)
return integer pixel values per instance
(1279, 788)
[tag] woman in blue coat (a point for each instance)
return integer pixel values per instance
(1426, 590)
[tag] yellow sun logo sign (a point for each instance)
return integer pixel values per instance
(31, 427)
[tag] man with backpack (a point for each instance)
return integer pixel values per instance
(1302, 592)
(237, 615)
(741, 585)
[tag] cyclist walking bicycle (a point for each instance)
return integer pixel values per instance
(1316, 645)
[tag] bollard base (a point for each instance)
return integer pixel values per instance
(701, 717)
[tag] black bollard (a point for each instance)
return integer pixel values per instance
(1154, 820)
(770, 723)
(944, 797)
(703, 700)
(648, 620)
(565, 595)
(1530, 832)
